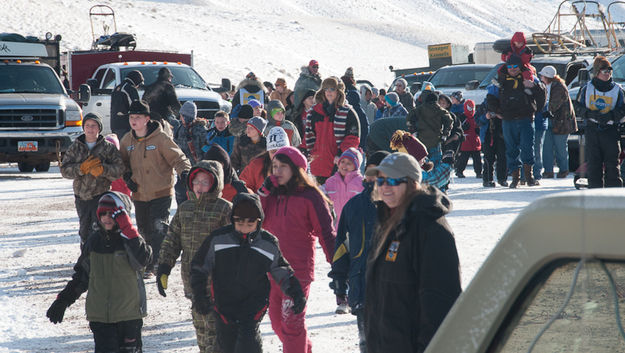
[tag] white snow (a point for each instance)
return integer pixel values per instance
(38, 222)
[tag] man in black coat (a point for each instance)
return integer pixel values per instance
(161, 97)
(121, 98)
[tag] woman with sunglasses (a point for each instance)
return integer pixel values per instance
(413, 274)
(297, 213)
(600, 103)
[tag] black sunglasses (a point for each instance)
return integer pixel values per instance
(391, 181)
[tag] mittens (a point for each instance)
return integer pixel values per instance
(270, 184)
(125, 224)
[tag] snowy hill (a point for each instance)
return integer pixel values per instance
(275, 38)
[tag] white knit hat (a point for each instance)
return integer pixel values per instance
(277, 138)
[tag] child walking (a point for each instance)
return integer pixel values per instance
(109, 270)
(346, 182)
(237, 259)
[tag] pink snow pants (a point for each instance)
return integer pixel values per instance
(290, 328)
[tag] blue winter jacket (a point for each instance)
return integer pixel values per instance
(223, 138)
(353, 98)
(353, 240)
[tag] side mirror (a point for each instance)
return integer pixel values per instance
(473, 84)
(583, 76)
(84, 94)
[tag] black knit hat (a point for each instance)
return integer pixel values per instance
(139, 107)
(246, 112)
(514, 60)
(94, 117)
(377, 157)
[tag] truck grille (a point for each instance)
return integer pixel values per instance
(32, 119)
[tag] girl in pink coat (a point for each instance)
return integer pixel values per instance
(346, 182)
(297, 213)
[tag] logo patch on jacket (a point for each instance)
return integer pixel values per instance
(391, 254)
(130, 148)
(150, 147)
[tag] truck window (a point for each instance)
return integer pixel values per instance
(98, 76)
(108, 83)
(29, 79)
(572, 307)
(184, 76)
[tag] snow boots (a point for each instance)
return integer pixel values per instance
(516, 177)
(529, 178)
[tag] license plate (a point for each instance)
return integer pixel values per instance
(27, 146)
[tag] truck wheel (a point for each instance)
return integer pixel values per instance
(43, 166)
(25, 167)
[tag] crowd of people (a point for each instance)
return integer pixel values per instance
(361, 170)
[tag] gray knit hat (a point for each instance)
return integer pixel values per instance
(94, 117)
(258, 123)
(274, 104)
(188, 111)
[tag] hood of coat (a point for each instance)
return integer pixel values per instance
(217, 153)
(212, 167)
(82, 139)
(121, 199)
(518, 37)
(432, 203)
(306, 73)
(253, 200)
(251, 85)
(153, 126)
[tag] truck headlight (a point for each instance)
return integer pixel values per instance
(73, 118)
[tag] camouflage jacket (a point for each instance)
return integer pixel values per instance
(194, 220)
(86, 186)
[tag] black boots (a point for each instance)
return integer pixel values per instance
(529, 178)
(516, 177)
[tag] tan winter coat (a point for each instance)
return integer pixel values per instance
(86, 186)
(280, 96)
(194, 220)
(561, 107)
(151, 161)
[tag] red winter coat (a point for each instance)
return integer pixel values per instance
(296, 220)
(252, 175)
(471, 137)
(328, 136)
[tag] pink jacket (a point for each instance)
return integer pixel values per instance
(340, 190)
(296, 220)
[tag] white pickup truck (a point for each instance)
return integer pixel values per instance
(190, 86)
(555, 282)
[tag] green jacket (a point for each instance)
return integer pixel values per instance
(110, 269)
(194, 220)
(431, 122)
(86, 186)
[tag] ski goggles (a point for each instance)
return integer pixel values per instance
(391, 181)
(513, 66)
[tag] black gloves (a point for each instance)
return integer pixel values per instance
(296, 293)
(547, 114)
(339, 287)
(202, 305)
(130, 183)
(184, 178)
(270, 184)
(57, 310)
(162, 274)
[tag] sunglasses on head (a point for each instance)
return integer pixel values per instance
(513, 66)
(606, 70)
(391, 181)
(244, 220)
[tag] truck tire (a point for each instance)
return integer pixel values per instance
(43, 166)
(25, 167)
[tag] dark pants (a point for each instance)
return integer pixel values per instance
(602, 152)
(360, 320)
(152, 220)
(239, 337)
(494, 155)
(463, 158)
(86, 210)
(122, 337)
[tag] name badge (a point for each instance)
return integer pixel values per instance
(391, 254)
(150, 148)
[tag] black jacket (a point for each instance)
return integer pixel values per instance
(513, 102)
(124, 94)
(406, 300)
(238, 265)
(162, 98)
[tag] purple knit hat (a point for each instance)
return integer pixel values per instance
(353, 155)
(294, 155)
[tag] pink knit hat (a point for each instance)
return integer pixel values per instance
(294, 155)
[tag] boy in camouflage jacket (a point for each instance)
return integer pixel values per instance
(194, 220)
(93, 163)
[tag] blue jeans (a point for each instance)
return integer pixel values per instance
(518, 135)
(539, 139)
(556, 145)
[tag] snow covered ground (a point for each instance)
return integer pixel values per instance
(275, 38)
(39, 245)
